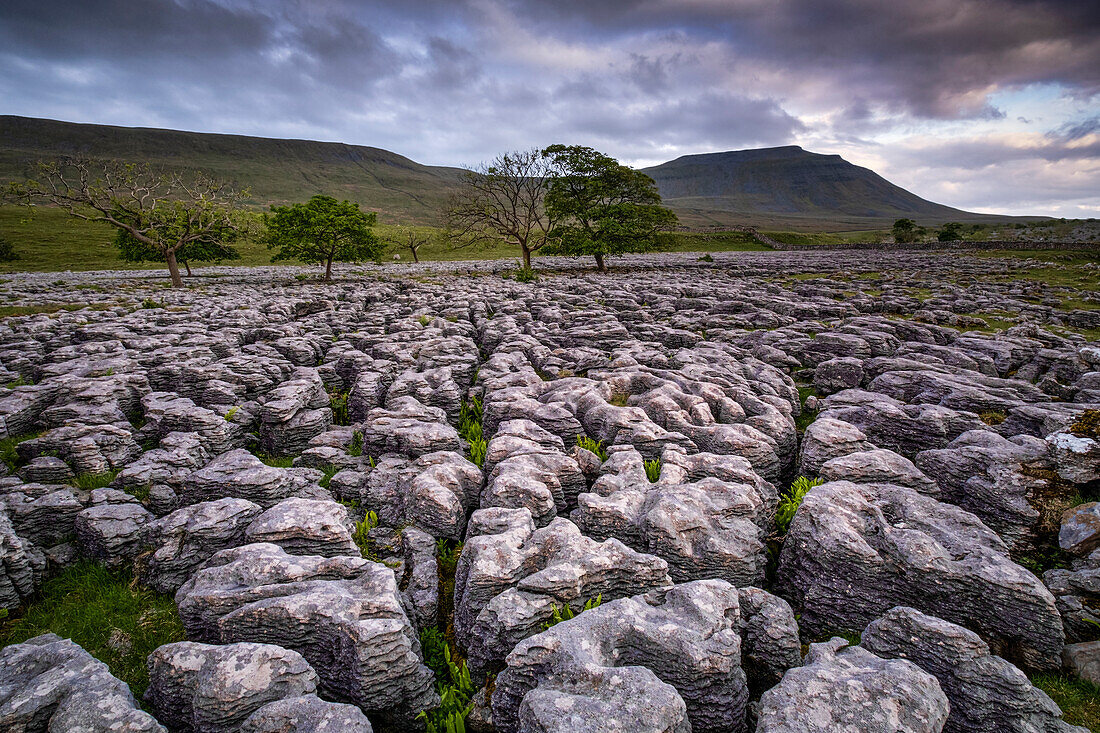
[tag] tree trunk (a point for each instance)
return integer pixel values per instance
(173, 269)
(415, 258)
(526, 258)
(328, 270)
(600, 264)
(187, 264)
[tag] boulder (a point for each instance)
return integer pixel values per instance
(841, 689)
(668, 660)
(854, 551)
(987, 693)
(343, 614)
(50, 683)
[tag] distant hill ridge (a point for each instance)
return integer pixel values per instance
(778, 188)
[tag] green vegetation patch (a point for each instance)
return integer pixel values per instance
(791, 500)
(1079, 700)
(103, 611)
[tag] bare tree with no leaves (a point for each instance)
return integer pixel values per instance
(410, 239)
(504, 201)
(164, 211)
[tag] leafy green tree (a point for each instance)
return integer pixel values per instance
(905, 230)
(504, 201)
(951, 232)
(604, 208)
(322, 230)
(166, 212)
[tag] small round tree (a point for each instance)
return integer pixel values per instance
(322, 230)
(904, 231)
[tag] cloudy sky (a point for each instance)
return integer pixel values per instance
(989, 105)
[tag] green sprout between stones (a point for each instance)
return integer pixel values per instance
(791, 500)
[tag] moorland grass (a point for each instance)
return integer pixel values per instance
(103, 611)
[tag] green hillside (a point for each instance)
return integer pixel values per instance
(275, 171)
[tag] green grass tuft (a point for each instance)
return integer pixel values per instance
(653, 470)
(791, 500)
(8, 453)
(596, 446)
(92, 481)
(1079, 700)
(88, 604)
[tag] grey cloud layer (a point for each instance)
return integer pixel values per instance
(646, 80)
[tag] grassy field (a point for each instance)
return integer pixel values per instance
(48, 240)
(102, 611)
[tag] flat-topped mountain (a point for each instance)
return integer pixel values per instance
(788, 183)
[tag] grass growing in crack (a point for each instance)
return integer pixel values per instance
(566, 611)
(805, 417)
(653, 470)
(596, 446)
(469, 427)
(274, 461)
(231, 413)
(327, 473)
(103, 611)
(93, 481)
(791, 500)
(361, 535)
(355, 448)
(1079, 699)
(8, 453)
(338, 402)
(992, 417)
(456, 690)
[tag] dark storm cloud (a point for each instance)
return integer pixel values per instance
(458, 81)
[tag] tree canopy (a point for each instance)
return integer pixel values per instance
(166, 213)
(904, 230)
(951, 232)
(602, 208)
(322, 230)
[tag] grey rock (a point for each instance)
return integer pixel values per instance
(1083, 660)
(878, 466)
(708, 528)
(852, 689)
(210, 689)
(50, 683)
(409, 428)
(770, 644)
(1080, 531)
(112, 533)
(183, 540)
(508, 584)
(827, 438)
(834, 375)
(669, 660)
(306, 714)
(990, 476)
(343, 614)
(433, 491)
(305, 527)
(855, 550)
(1076, 459)
(46, 470)
(238, 473)
(987, 693)
(20, 570)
